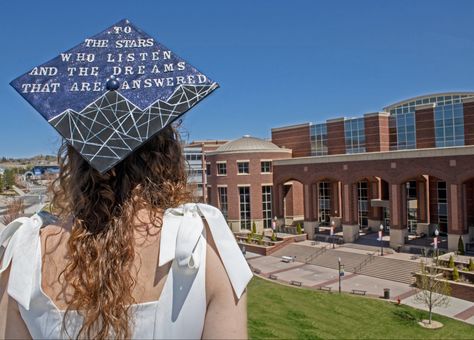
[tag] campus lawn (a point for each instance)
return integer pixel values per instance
(277, 311)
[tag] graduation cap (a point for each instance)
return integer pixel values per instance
(112, 92)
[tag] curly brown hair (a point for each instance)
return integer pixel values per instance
(104, 209)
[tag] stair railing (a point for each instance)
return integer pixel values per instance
(315, 254)
(366, 261)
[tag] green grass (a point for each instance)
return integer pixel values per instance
(276, 311)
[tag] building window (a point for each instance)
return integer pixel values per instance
(221, 169)
(267, 206)
(442, 207)
(405, 130)
(412, 206)
(449, 125)
(193, 156)
(324, 199)
(222, 193)
(208, 169)
(266, 167)
(363, 203)
(244, 200)
(243, 167)
(319, 139)
(354, 133)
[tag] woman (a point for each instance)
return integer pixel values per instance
(128, 259)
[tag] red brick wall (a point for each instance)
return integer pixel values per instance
(468, 123)
(255, 179)
(297, 139)
(425, 134)
(376, 133)
(336, 139)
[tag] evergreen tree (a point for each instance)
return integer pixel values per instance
(471, 265)
(8, 179)
(460, 246)
(455, 274)
(451, 262)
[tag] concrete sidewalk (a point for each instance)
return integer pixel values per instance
(313, 276)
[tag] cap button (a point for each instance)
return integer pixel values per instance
(112, 84)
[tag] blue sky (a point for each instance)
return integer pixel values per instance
(278, 62)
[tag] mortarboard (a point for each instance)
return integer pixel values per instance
(112, 92)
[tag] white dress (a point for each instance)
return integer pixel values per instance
(181, 308)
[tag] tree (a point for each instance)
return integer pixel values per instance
(298, 229)
(15, 209)
(8, 178)
(1, 183)
(471, 265)
(254, 228)
(455, 274)
(451, 262)
(433, 291)
(274, 238)
(460, 246)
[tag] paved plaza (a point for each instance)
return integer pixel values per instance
(316, 276)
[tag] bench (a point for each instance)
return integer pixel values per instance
(296, 283)
(313, 243)
(272, 277)
(325, 288)
(359, 292)
(287, 259)
(257, 271)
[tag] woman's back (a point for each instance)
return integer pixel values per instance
(172, 297)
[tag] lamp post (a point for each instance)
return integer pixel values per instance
(332, 233)
(381, 239)
(340, 272)
(435, 244)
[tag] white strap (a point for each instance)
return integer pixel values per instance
(22, 251)
(182, 228)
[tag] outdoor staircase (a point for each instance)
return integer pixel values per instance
(362, 264)
(391, 269)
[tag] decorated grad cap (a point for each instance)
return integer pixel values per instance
(114, 91)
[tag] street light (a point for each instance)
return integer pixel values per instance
(435, 244)
(332, 233)
(381, 239)
(340, 272)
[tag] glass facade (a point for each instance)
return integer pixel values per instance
(449, 125)
(403, 125)
(324, 200)
(439, 100)
(244, 202)
(363, 203)
(267, 205)
(442, 207)
(319, 139)
(354, 132)
(412, 206)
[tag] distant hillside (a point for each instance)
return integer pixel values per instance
(7, 162)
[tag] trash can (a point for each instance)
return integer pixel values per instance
(386, 293)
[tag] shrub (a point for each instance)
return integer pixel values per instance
(260, 239)
(274, 238)
(455, 274)
(249, 238)
(460, 246)
(451, 262)
(470, 267)
(254, 228)
(298, 229)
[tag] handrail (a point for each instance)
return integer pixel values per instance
(358, 268)
(315, 254)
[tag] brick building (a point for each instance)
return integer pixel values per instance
(409, 168)
(240, 182)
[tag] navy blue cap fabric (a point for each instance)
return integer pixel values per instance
(112, 92)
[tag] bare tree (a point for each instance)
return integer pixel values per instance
(433, 291)
(15, 209)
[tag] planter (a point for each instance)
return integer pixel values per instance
(459, 290)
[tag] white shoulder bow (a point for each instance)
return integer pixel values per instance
(182, 228)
